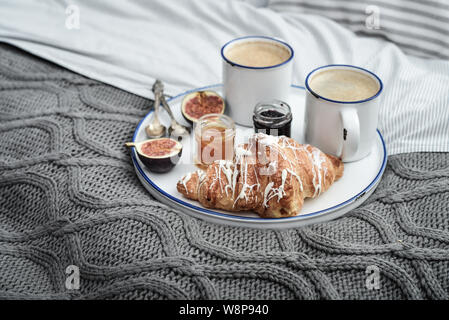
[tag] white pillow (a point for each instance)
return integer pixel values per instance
(418, 27)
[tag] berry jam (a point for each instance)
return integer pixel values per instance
(273, 117)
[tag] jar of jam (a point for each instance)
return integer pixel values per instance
(273, 117)
(214, 139)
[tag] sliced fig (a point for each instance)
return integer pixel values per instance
(197, 104)
(158, 155)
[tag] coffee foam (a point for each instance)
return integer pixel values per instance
(257, 54)
(344, 85)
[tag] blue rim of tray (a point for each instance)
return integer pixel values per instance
(234, 217)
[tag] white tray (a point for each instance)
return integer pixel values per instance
(358, 182)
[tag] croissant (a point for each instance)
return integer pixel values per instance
(269, 175)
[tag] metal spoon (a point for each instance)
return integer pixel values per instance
(175, 129)
(155, 129)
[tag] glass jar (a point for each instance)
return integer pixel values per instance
(214, 139)
(273, 117)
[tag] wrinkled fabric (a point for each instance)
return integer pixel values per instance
(130, 44)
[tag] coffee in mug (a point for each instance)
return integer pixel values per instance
(344, 85)
(342, 107)
(258, 54)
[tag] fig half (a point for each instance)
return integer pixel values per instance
(158, 155)
(197, 104)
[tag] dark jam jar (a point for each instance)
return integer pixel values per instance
(273, 117)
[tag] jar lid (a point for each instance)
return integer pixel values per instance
(273, 113)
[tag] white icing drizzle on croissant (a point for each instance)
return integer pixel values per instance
(230, 169)
(317, 161)
(186, 179)
(271, 192)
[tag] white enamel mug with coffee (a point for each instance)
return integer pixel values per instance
(342, 107)
(255, 68)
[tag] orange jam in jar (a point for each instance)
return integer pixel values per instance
(214, 139)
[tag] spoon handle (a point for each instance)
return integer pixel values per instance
(156, 104)
(174, 122)
(167, 108)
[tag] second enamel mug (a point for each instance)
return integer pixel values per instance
(342, 107)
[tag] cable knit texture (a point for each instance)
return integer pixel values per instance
(69, 196)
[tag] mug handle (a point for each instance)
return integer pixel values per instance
(351, 132)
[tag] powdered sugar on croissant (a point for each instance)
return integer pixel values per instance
(269, 175)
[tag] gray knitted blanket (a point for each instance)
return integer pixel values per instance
(70, 201)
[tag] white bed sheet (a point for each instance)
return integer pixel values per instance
(129, 44)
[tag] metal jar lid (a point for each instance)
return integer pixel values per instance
(272, 114)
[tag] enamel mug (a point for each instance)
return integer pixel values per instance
(343, 129)
(245, 86)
